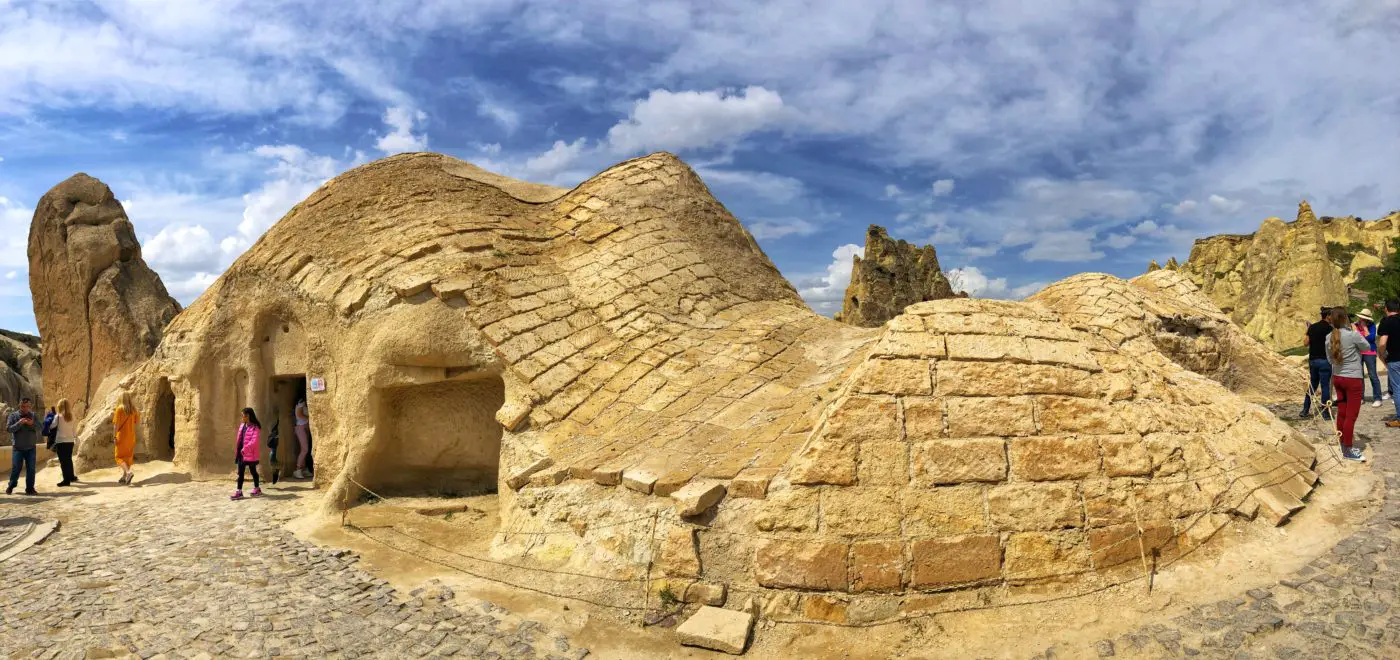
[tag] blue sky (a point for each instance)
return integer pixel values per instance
(1027, 141)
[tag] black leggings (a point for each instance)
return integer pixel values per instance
(252, 467)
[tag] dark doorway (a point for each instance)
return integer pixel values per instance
(160, 445)
(287, 392)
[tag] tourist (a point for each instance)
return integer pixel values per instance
(1319, 369)
(47, 430)
(125, 420)
(246, 452)
(65, 439)
(23, 453)
(1344, 347)
(1366, 327)
(303, 431)
(1388, 345)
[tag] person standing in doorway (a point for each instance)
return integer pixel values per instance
(125, 420)
(1319, 369)
(303, 431)
(65, 439)
(23, 452)
(246, 452)
(1366, 327)
(1388, 346)
(1344, 347)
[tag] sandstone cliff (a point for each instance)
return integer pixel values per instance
(892, 275)
(20, 371)
(1273, 281)
(100, 309)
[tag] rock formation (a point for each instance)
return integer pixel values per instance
(100, 309)
(21, 374)
(623, 365)
(1273, 281)
(892, 276)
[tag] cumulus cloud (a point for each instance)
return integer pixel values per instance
(824, 292)
(1065, 245)
(975, 283)
(769, 186)
(942, 187)
(401, 122)
(1224, 205)
(781, 227)
(677, 121)
(1183, 207)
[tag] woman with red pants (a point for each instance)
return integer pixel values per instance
(1344, 348)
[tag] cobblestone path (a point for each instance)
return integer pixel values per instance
(1345, 604)
(191, 575)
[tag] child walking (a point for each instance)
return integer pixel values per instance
(246, 452)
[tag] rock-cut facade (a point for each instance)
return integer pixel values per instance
(623, 350)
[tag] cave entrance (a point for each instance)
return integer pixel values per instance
(160, 441)
(437, 440)
(286, 393)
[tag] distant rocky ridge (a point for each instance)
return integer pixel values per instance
(21, 373)
(1273, 282)
(892, 275)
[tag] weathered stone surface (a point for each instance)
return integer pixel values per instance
(895, 377)
(944, 510)
(860, 511)
(789, 510)
(1040, 555)
(956, 560)
(863, 419)
(826, 462)
(752, 483)
(697, 497)
(883, 464)
(1063, 414)
(892, 275)
(955, 461)
(680, 556)
(523, 475)
(805, 564)
(1052, 458)
(1115, 545)
(877, 566)
(1035, 506)
(717, 629)
(1124, 456)
(923, 419)
(21, 374)
(639, 480)
(999, 380)
(100, 309)
(972, 417)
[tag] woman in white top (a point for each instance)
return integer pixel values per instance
(65, 439)
(1344, 348)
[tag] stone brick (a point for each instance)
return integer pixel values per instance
(639, 480)
(824, 608)
(1109, 501)
(971, 417)
(1052, 458)
(895, 377)
(860, 511)
(717, 629)
(523, 475)
(1170, 500)
(943, 511)
(1111, 546)
(954, 561)
(801, 564)
(1040, 555)
(752, 483)
(680, 556)
(877, 566)
(923, 419)
(863, 419)
(1074, 354)
(825, 462)
(999, 379)
(883, 464)
(705, 593)
(958, 461)
(1124, 456)
(790, 510)
(987, 347)
(1064, 414)
(1035, 507)
(910, 345)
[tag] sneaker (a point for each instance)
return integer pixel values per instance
(31, 491)
(257, 492)
(1376, 403)
(300, 473)
(10, 490)
(237, 495)
(1386, 397)
(1353, 454)
(65, 483)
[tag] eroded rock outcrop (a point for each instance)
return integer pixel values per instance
(21, 374)
(892, 276)
(100, 309)
(1273, 281)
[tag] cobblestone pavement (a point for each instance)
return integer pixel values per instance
(1344, 604)
(189, 574)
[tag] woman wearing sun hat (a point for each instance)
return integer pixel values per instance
(1366, 326)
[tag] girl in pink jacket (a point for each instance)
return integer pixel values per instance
(246, 451)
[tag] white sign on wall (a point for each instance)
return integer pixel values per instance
(318, 384)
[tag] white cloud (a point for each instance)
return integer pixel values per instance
(508, 118)
(1182, 208)
(401, 121)
(181, 247)
(824, 292)
(942, 187)
(780, 227)
(975, 283)
(677, 121)
(12, 275)
(892, 191)
(1224, 205)
(14, 234)
(773, 187)
(294, 174)
(1062, 246)
(1119, 241)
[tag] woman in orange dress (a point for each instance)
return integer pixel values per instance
(125, 420)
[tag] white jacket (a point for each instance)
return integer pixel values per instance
(67, 430)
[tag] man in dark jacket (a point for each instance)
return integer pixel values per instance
(23, 452)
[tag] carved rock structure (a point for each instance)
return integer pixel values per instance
(625, 367)
(892, 276)
(1273, 281)
(21, 373)
(100, 310)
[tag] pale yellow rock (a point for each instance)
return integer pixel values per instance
(680, 556)
(697, 497)
(717, 629)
